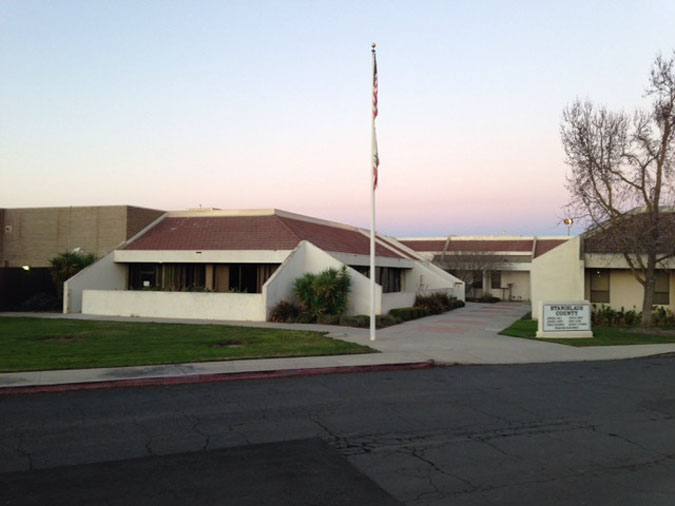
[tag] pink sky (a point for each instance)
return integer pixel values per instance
(247, 105)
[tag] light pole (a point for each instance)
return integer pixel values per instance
(568, 222)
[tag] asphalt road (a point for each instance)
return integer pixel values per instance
(596, 433)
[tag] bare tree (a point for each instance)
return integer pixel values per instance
(621, 178)
(469, 266)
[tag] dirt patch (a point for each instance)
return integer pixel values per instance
(227, 345)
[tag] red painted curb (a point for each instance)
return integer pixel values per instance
(211, 378)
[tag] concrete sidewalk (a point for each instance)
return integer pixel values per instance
(464, 336)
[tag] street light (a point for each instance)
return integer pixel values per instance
(568, 222)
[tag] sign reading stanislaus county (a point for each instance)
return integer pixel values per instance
(566, 317)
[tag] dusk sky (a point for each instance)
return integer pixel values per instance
(261, 104)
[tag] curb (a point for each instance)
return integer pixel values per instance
(211, 378)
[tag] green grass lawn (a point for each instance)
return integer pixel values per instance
(603, 336)
(28, 344)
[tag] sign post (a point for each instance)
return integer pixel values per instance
(565, 319)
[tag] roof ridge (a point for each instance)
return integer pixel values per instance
(382, 242)
(281, 219)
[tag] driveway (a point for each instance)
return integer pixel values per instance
(470, 335)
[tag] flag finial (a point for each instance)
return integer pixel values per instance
(373, 46)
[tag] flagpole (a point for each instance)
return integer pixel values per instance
(373, 183)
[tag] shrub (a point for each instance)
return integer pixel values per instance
(663, 317)
(363, 321)
(486, 297)
(359, 320)
(409, 313)
(285, 312)
(305, 317)
(608, 317)
(329, 319)
(435, 303)
(65, 265)
(40, 302)
(385, 320)
(326, 293)
(456, 303)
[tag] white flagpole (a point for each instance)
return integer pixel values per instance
(373, 168)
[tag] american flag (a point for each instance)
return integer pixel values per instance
(376, 158)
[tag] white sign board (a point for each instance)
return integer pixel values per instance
(566, 317)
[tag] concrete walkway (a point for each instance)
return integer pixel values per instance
(464, 336)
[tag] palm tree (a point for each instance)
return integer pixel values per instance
(65, 265)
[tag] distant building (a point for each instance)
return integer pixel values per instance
(496, 265)
(589, 267)
(30, 237)
(237, 265)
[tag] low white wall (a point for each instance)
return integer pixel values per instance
(307, 258)
(197, 305)
(558, 274)
(396, 300)
(104, 274)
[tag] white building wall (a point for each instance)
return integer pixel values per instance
(427, 277)
(106, 282)
(307, 258)
(558, 274)
(520, 289)
(397, 299)
(104, 274)
(198, 305)
(206, 256)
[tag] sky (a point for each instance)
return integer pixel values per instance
(266, 104)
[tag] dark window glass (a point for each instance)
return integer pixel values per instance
(662, 288)
(477, 280)
(600, 285)
(142, 276)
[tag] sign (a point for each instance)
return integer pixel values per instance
(562, 317)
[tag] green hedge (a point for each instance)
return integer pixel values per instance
(409, 313)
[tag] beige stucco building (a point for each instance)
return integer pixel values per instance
(538, 269)
(573, 271)
(496, 265)
(31, 236)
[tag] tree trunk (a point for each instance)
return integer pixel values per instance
(648, 297)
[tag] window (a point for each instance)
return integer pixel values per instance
(142, 276)
(177, 277)
(496, 279)
(243, 278)
(477, 280)
(388, 277)
(662, 288)
(600, 285)
(249, 278)
(173, 277)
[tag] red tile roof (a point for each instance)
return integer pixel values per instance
(472, 245)
(632, 234)
(544, 245)
(426, 245)
(271, 232)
